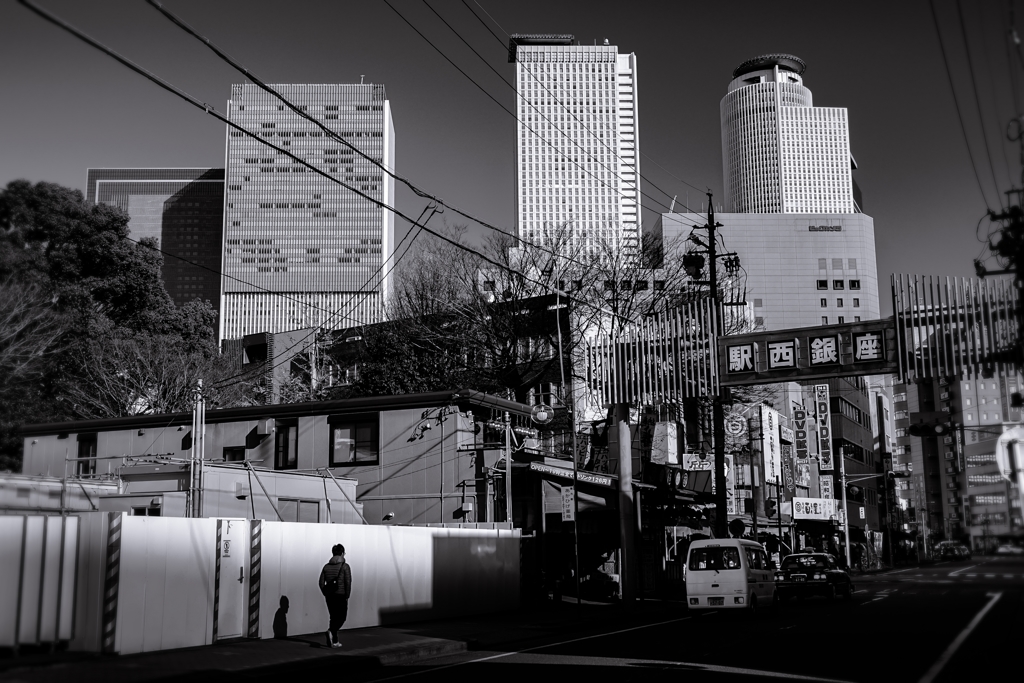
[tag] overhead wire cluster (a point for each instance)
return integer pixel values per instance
(416, 226)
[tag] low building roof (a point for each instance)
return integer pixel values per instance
(466, 399)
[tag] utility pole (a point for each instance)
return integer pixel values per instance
(508, 470)
(627, 550)
(846, 513)
(718, 410)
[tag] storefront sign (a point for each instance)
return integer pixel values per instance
(825, 486)
(694, 463)
(814, 508)
(568, 504)
(787, 471)
(800, 434)
(565, 473)
(824, 419)
(730, 490)
(770, 444)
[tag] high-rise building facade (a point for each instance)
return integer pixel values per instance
(780, 153)
(956, 490)
(300, 250)
(182, 209)
(577, 145)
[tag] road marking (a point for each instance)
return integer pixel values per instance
(862, 590)
(1007, 576)
(959, 640)
(970, 576)
(899, 571)
(990, 576)
(954, 573)
(541, 647)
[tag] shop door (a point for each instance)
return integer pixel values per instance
(232, 557)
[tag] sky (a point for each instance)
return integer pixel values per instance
(66, 107)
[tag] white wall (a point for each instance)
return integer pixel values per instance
(398, 573)
(167, 567)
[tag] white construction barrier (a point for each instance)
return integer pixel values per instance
(37, 562)
(115, 583)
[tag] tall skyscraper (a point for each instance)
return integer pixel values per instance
(182, 209)
(780, 153)
(300, 250)
(576, 142)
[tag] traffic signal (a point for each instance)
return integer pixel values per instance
(928, 424)
(770, 507)
(897, 475)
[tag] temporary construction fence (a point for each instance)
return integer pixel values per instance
(665, 358)
(123, 584)
(949, 327)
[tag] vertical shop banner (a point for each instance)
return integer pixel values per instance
(787, 472)
(730, 486)
(800, 434)
(825, 486)
(824, 418)
(770, 444)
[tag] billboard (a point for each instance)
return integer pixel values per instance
(824, 420)
(815, 508)
(770, 444)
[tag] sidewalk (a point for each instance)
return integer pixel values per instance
(370, 647)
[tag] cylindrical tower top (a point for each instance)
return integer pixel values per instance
(783, 61)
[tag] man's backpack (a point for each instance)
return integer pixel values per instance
(330, 582)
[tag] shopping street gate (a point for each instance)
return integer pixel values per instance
(941, 327)
(808, 353)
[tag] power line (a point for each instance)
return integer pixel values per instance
(332, 134)
(956, 102)
(977, 98)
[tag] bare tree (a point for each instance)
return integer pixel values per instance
(30, 329)
(129, 374)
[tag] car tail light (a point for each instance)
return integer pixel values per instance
(694, 601)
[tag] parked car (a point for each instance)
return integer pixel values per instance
(1007, 549)
(806, 574)
(965, 552)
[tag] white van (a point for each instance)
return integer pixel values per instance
(729, 573)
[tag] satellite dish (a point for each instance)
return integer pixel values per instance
(542, 414)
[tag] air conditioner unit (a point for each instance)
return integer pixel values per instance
(945, 395)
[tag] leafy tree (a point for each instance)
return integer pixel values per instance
(95, 333)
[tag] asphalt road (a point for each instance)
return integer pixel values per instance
(946, 622)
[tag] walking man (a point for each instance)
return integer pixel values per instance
(336, 585)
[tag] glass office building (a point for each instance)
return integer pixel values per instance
(300, 250)
(182, 209)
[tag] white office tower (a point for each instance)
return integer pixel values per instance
(299, 249)
(576, 144)
(780, 153)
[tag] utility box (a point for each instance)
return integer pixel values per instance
(665, 444)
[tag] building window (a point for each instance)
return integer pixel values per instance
(842, 320)
(293, 510)
(355, 440)
(822, 284)
(824, 320)
(234, 453)
(824, 303)
(86, 455)
(839, 303)
(856, 318)
(856, 303)
(837, 284)
(145, 511)
(758, 303)
(286, 446)
(854, 284)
